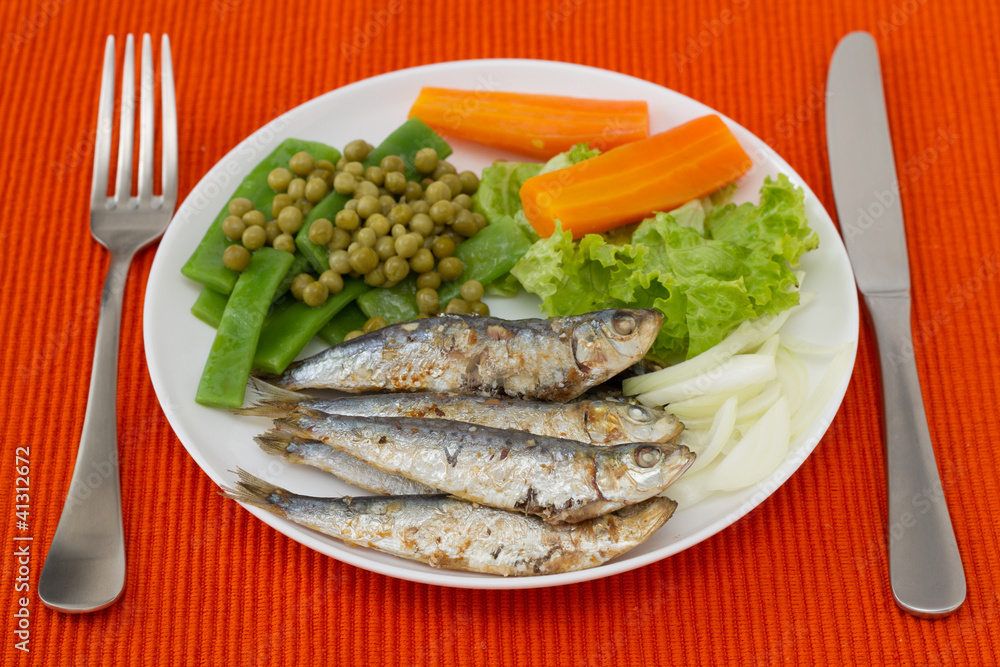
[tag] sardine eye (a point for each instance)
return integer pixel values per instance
(623, 324)
(638, 414)
(647, 456)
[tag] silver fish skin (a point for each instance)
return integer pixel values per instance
(555, 359)
(447, 532)
(554, 478)
(596, 422)
(353, 471)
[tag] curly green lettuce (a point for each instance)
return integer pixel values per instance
(706, 267)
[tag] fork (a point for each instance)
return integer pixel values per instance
(85, 566)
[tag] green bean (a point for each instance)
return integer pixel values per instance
(224, 378)
(351, 318)
(287, 333)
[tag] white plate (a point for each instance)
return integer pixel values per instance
(177, 344)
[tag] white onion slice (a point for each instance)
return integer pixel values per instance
(759, 452)
(820, 396)
(717, 436)
(735, 373)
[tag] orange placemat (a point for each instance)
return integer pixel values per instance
(801, 580)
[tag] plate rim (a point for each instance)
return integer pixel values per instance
(315, 540)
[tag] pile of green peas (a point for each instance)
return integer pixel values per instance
(300, 186)
(390, 227)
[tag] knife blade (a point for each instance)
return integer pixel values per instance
(925, 566)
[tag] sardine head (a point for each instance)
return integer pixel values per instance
(634, 472)
(611, 340)
(611, 422)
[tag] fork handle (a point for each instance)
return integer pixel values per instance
(85, 566)
(925, 567)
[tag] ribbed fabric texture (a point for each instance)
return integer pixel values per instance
(801, 580)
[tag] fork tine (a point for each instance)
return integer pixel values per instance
(169, 104)
(126, 126)
(147, 125)
(102, 141)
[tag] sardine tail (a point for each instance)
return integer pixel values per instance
(269, 400)
(251, 490)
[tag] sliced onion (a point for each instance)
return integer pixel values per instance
(759, 404)
(799, 346)
(747, 335)
(820, 396)
(717, 436)
(759, 452)
(734, 374)
(705, 407)
(793, 376)
(690, 489)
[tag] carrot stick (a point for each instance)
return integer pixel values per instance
(539, 126)
(632, 181)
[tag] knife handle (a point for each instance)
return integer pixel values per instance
(925, 567)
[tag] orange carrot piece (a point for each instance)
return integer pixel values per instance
(539, 126)
(633, 181)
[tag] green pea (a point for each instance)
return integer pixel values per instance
(254, 237)
(315, 294)
(413, 191)
(422, 224)
(341, 239)
(340, 261)
(357, 150)
(469, 181)
(279, 202)
(425, 160)
(396, 268)
(395, 182)
(420, 206)
(444, 247)
(480, 308)
(407, 245)
(299, 283)
(236, 257)
(385, 247)
(285, 242)
(347, 220)
(442, 211)
(279, 178)
(454, 185)
(366, 189)
(368, 206)
(290, 220)
(437, 191)
(363, 260)
(239, 206)
(375, 175)
(321, 231)
(344, 183)
(392, 163)
(272, 229)
(427, 301)
(379, 223)
(233, 228)
(367, 237)
(374, 323)
(430, 279)
(400, 214)
(471, 290)
(458, 307)
(332, 280)
(301, 163)
(423, 261)
(252, 218)
(450, 268)
(375, 277)
(443, 167)
(297, 188)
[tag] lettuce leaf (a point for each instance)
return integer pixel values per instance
(707, 268)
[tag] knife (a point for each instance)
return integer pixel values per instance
(925, 568)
